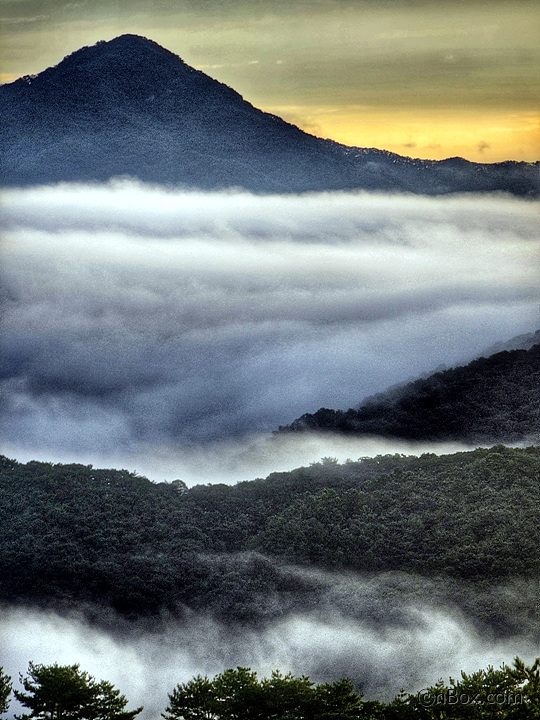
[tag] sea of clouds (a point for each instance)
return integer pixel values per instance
(170, 331)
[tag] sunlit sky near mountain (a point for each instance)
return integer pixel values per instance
(420, 78)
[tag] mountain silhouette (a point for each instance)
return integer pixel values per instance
(129, 107)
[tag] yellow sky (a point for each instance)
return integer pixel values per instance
(489, 136)
(417, 77)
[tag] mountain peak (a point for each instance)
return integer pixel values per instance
(130, 43)
(129, 76)
(128, 106)
(136, 53)
(130, 39)
(126, 42)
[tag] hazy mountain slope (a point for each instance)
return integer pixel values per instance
(130, 107)
(495, 399)
(519, 342)
(76, 537)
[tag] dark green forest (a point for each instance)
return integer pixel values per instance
(491, 400)
(109, 540)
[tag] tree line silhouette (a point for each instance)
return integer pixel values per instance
(65, 692)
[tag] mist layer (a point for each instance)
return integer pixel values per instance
(385, 632)
(138, 318)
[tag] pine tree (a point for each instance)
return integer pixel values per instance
(63, 692)
(5, 690)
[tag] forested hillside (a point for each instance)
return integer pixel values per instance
(73, 536)
(491, 400)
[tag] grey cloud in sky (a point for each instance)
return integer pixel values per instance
(400, 76)
(346, 52)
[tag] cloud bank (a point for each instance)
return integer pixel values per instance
(138, 318)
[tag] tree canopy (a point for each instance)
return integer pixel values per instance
(490, 400)
(64, 692)
(238, 694)
(79, 537)
(56, 692)
(509, 693)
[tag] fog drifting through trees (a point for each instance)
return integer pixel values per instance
(428, 644)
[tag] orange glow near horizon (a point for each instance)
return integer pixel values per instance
(491, 136)
(433, 134)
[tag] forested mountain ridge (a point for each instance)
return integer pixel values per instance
(490, 400)
(74, 537)
(129, 107)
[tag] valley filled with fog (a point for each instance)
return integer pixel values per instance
(170, 332)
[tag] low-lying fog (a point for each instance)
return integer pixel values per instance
(153, 326)
(171, 331)
(237, 459)
(385, 632)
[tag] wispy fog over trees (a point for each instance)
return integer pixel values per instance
(74, 535)
(494, 398)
